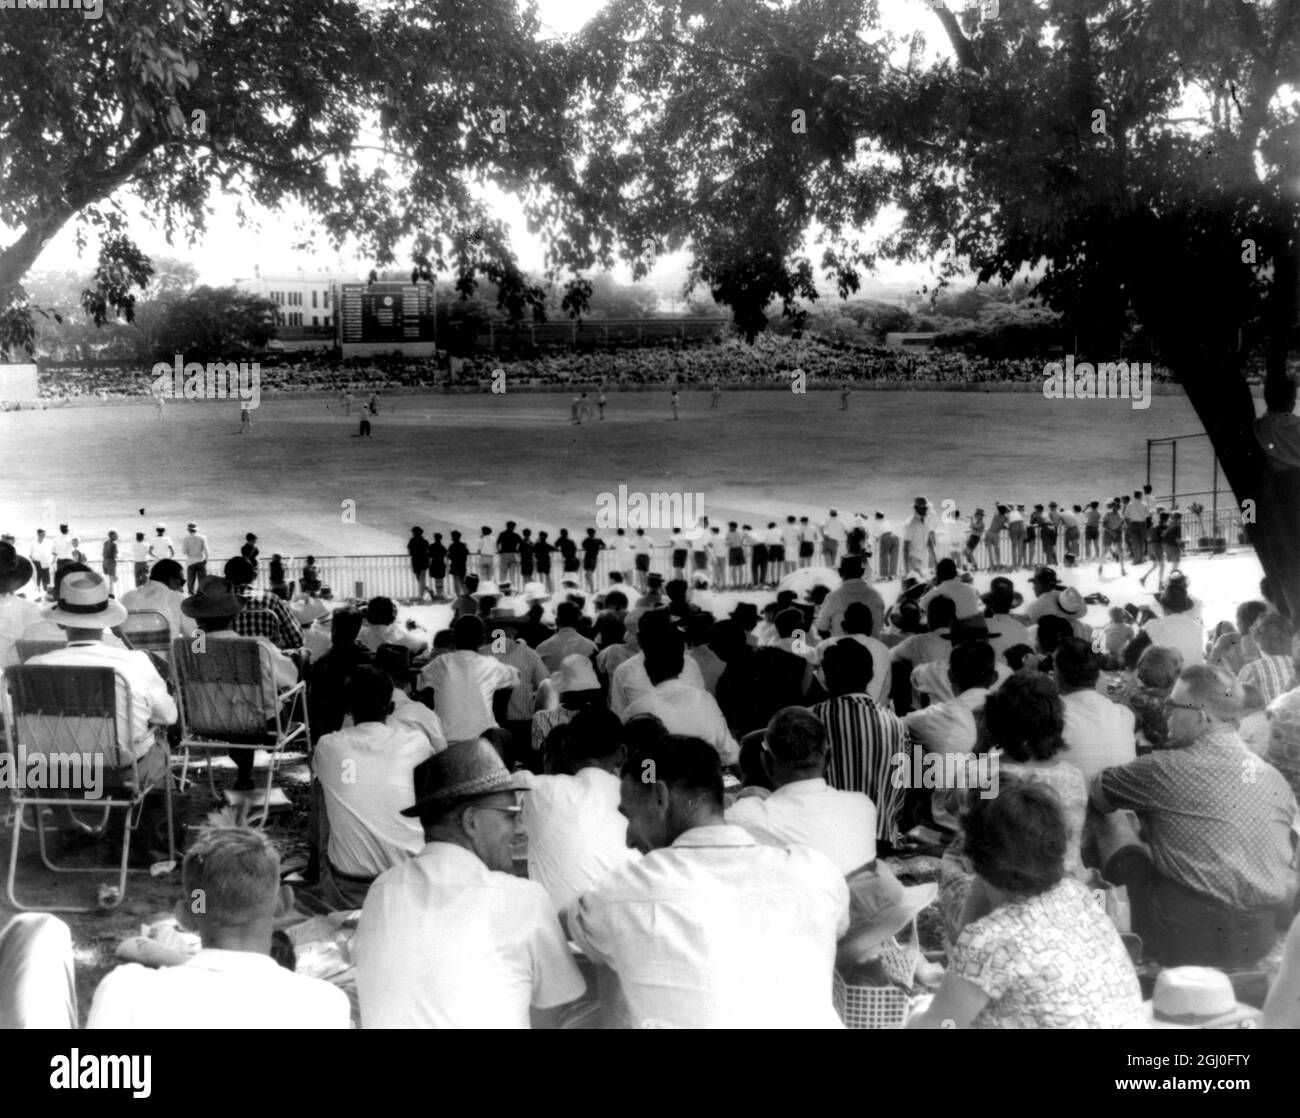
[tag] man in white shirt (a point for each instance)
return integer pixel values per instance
(884, 540)
(623, 557)
(42, 557)
(1007, 632)
(1098, 733)
(61, 548)
(918, 538)
(833, 536)
(852, 588)
(84, 610)
(1045, 584)
(575, 832)
(382, 627)
(194, 550)
(160, 547)
(465, 682)
(630, 681)
(231, 896)
(682, 707)
(804, 809)
(140, 559)
(567, 640)
(162, 593)
(950, 586)
(503, 643)
(487, 555)
(452, 938)
(711, 929)
(1137, 514)
(948, 726)
(858, 626)
(791, 538)
(366, 774)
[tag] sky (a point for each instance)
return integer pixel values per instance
(229, 251)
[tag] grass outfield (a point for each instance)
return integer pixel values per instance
(459, 461)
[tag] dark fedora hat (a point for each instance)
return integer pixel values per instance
(15, 569)
(1003, 591)
(216, 598)
(969, 629)
(464, 771)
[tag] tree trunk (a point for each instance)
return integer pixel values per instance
(1227, 410)
(16, 260)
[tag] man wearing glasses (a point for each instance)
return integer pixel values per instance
(1218, 822)
(451, 938)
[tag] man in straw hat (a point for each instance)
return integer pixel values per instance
(214, 610)
(84, 611)
(677, 912)
(451, 938)
(1218, 821)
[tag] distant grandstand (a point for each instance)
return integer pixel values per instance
(601, 332)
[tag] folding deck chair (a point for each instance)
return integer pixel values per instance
(74, 716)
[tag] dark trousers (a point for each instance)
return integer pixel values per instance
(1180, 927)
(42, 577)
(193, 574)
(365, 426)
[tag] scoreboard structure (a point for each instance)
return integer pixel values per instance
(383, 317)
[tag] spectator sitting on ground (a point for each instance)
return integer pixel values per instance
(365, 773)
(677, 910)
(1180, 627)
(933, 644)
(1000, 600)
(381, 627)
(1273, 672)
(699, 629)
(858, 625)
(1218, 822)
(575, 688)
(932, 683)
(575, 832)
(630, 680)
(803, 808)
(1046, 955)
(233, 978)
(852, 588)
(395, 662)
(1098, 733)
(465, 683)
(1145, 690)
(567, 639)
(451, 938)
(949, 585)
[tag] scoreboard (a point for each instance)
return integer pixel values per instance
(386, 312)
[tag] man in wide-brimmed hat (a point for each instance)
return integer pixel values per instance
(214, 610)
(84, 610)
(16, 614)
(1002, 597)
(1181, 626)
(934, 677)
(451, 938)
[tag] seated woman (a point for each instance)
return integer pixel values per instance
(1145, 690)
(1046, 956)
(1023, 722)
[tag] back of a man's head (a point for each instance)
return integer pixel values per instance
(1272, 633)
(787, 622)
(166, 571)
(699, 626)
(1076, 664)
(595, 737)
(940, 613)
(567, 615)
(231, 878)
(972, 664)
(858, 619)
(687, 765)
(469, 632)
(945, 570)
(345, 626)
(665, 658)
(847, 667)
(369, 695)
(851, 567)
(1215, 691)
(240, 571)
(381, 611)
(1052, 630)
(797, 739)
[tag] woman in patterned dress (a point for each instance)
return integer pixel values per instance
(1046, 956)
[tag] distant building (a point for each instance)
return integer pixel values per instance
(910, 341)
(304, 301)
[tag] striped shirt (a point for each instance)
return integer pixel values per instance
(863, 738)
(1273, 675)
